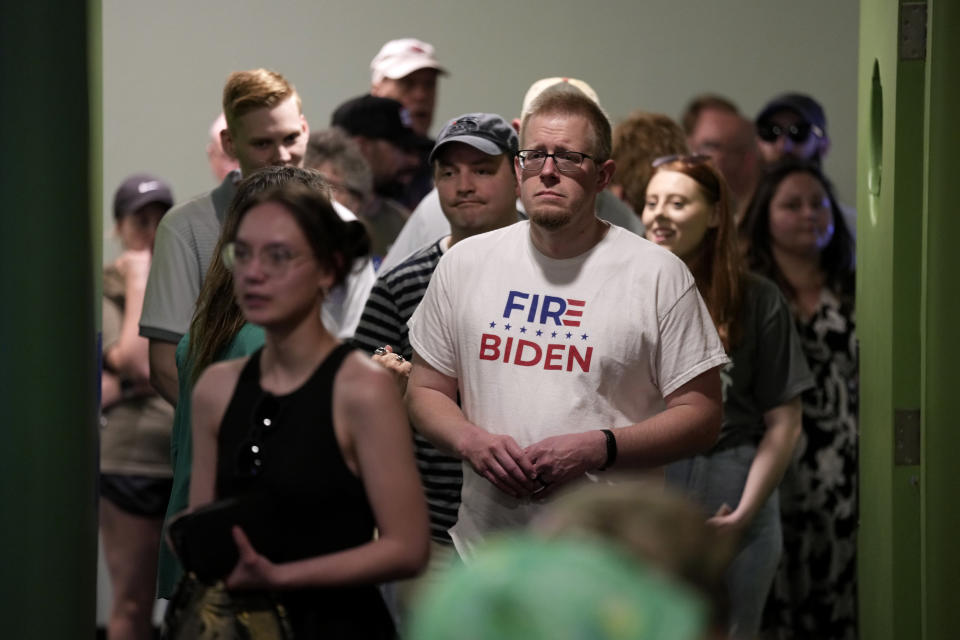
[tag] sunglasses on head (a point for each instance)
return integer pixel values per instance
(695, 158)
(249, 460)
(798, 132)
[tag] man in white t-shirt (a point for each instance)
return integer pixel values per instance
(427, 224)
(574, 344)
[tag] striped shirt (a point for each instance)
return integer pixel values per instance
(392, 301)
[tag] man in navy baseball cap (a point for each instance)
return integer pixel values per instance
(487, 132)
(792, 124)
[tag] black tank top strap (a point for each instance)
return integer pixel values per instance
(331, 364)
(320, 383)
(250, 374)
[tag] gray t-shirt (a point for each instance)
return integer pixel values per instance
(767, 366)
(182, 252)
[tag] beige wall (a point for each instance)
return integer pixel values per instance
(165, 63)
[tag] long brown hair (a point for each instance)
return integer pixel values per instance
(718, 268)
(217, 319)
(837, 261)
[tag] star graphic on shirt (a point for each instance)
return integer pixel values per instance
(584, 337)
(553, 335)
(568, 335)
(507, 326)
(493, 324)
(523, 329)
(539, 333)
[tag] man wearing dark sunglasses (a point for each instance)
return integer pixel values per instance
(792, 124)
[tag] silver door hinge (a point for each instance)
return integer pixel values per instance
(913, 31)
(906, 437)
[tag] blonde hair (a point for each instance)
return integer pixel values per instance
(245, 91)
(654, 524)
(566, 99)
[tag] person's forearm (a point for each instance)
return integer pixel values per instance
(110, 391)
(773, 456)
(377, 561)
(496, 457)
(129, 355)
(671, 435)
(438, 419)
(163, 370)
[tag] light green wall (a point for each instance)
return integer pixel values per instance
(165, 63)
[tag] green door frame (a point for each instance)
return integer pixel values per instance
(906, 307)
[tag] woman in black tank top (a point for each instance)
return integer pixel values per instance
(319, 430)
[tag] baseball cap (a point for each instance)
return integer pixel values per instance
(138, 190)
(378, 118)
(400, 58)
(543, 84)
(487, 132)
(801, 104)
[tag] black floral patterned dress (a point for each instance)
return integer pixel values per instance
(814, 593)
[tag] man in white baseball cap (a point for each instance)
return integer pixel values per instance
(406, 70)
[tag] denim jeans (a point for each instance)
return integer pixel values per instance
(718, 478)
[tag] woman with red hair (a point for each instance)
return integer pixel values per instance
(687, 210)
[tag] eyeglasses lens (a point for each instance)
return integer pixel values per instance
(566, 162)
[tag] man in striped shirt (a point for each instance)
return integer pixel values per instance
(472, 162)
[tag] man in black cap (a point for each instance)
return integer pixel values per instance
(793, 124)
(381, 128)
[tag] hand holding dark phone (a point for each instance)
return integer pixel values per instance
(203, 539)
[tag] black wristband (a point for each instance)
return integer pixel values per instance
(611, 449)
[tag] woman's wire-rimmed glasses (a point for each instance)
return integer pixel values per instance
(275, 259)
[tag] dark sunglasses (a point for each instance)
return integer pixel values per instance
(249, 459)
(798, 133)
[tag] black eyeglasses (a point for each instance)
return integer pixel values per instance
(798, 132)
(249, 460)
(695, 158)
(565, 161)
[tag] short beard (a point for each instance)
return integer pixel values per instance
(550, 221)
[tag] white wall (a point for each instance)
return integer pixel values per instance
(165, 63)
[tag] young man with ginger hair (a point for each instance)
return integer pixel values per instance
(265, 127)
